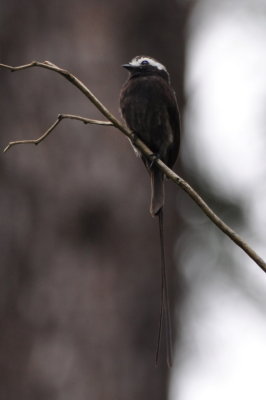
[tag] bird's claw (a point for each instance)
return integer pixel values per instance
(154, 157)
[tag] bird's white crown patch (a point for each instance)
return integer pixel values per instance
(142, 60)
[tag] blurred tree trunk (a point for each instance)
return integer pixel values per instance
(80, 270)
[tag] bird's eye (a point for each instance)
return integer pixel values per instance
(144, 62)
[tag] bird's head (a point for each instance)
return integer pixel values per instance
(144, 65)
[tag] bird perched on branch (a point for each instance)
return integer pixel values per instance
(149, 108)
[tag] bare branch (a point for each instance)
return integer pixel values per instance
(76, 82)
(141, 147)
(85, 120)
(52, 127)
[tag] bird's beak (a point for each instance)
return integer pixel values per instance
(129, 67)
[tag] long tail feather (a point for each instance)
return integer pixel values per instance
(165, 309)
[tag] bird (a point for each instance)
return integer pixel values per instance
(149, 109)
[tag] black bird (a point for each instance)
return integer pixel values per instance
(149, 107)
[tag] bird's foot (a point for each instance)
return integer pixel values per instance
(152, 158)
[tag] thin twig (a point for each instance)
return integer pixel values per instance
(52, 127)
(140, 146)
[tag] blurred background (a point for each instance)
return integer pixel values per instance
(80, 271)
